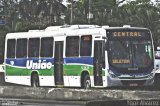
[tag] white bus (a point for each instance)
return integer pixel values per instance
(157, 67)
(80, 56)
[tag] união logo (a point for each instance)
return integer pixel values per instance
(38, 65)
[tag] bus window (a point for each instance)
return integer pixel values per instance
(33, 47)
(72, 46)
(47, 47)
(86, 45)
(21, 48)
(11, 48)
(142, 53)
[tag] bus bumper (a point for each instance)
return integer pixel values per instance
(129, 82)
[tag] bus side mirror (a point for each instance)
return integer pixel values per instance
(106, 45)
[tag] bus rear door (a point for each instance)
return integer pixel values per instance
(98, 63)
(58, 63)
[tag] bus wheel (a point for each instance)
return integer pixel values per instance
(34, 80)
(86, 84)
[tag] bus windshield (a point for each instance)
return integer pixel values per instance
(130, 53)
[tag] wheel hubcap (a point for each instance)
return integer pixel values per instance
(87, 84)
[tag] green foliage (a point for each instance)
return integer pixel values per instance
(141, 13)
(3, 31)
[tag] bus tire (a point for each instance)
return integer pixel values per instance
(35, 80)
(86, 83)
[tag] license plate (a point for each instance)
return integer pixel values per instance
(133, 84)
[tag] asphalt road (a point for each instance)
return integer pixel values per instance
(40, 102)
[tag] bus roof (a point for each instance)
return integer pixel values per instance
(70, 27)
(124, 27)
(32, 34)
(64, 32)
(128, 28)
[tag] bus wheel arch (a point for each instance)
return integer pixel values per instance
(34, 79)
(85, 80)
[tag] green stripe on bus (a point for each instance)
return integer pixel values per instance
(75, 70)
(13, 71)
(68, 70)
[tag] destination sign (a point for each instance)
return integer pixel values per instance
(120, 61)
(127, 34)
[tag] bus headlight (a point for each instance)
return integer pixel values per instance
(157, 67)
(152, 74)
(112, 74)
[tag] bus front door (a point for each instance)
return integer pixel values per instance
(98, 63)
(58, 63)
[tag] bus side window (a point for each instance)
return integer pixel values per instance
(46, 47)
(86, 45)
(21, 48)
(11, 48)
(33, 47)
(72, 46)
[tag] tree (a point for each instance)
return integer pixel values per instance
(102, 10)
(141, 13)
